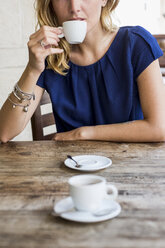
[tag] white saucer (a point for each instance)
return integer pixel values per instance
(89, 162)
(65, 209)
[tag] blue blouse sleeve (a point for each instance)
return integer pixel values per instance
(145, 49)
(41, 81)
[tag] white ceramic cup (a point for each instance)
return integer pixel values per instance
(88, 191)
(74, 31)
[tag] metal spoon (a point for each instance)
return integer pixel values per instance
(77, 165)
(103, 212)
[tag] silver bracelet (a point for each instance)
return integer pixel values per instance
(21, 95)
(25, 107)
(19, 99)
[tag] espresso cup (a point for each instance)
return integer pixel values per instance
(89, 191)
(74, 31)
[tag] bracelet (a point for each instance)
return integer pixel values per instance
(21, 95)
(15, 94)
(30, 96)
(25, 107)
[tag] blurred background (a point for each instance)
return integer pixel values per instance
(17, 23)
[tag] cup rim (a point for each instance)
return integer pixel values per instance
(102, 180)
(83, 21)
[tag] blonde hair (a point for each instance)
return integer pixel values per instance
(46, 16)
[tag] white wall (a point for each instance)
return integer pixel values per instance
(162, 20)
(17, 22)
(147, 13)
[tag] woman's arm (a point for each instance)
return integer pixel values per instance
(14, 120)
(151, 129)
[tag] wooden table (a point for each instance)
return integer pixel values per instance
(33, 177)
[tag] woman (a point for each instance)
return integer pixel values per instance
(107, 88)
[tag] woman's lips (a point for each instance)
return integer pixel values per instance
(77, 19)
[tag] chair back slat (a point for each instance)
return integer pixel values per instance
(39, 121)
(48, 120)
(48, 137)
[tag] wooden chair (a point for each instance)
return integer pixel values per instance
(40, 121)
(161, 41)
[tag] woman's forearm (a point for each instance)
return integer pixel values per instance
(12, 120)
(134, 131)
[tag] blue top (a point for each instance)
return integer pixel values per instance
(105, 92)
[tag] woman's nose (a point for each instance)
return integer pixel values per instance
(75, 6)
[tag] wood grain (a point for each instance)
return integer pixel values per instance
(33, 178)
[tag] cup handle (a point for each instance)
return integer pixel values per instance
(61, 35)
(114, 191)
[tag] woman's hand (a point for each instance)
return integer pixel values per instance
(40, 46)
(81, 133)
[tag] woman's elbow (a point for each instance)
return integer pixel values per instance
(162, 138)
(4, 138)
(160, 133)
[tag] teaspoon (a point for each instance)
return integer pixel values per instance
(77, 165)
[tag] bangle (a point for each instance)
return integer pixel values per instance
(19, 99)
(25, 107)
(21, 95)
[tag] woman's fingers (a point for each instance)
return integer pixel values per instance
(45, 36)
(42, 52)
(51, 50)
(41, 44)
(49, 38)
(48, 41)
(44, 30)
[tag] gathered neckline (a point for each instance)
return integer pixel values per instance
(85, 66)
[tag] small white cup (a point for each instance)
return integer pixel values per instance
(74, 31)
(88, 191)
